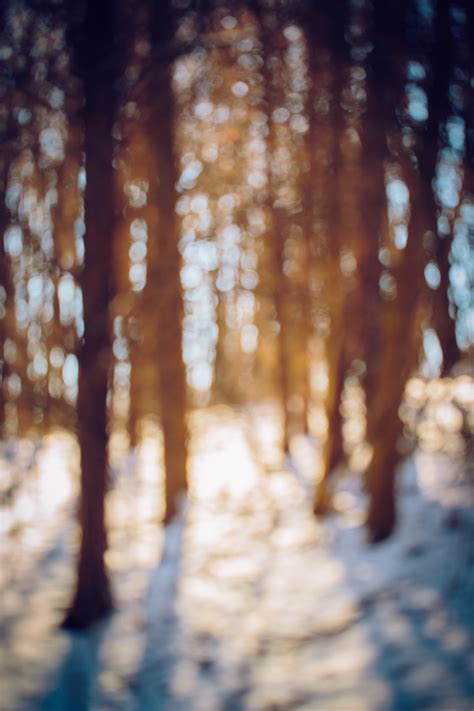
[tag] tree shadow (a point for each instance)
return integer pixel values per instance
(150, 686)
(415, 600)
(75, 684)
(420, 624)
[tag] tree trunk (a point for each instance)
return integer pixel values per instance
(283, 344)
(92, 598)
(444, 323)
(277, 223)
(164, 267)
(379, 319)
(327, 50)
(333, 449)
(399, 321)
(440, 110)
(7, 315)
(399, 325)
(5, 301)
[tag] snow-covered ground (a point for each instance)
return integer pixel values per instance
(246, 601)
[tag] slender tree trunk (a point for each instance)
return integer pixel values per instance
(164, 267)
(277, 219)
(374, 207)
(440, 110)
(221, 386)
(444, 323)
(325, 29)
(306, 338)
(333, 448)
(134, 392)
(92, 598)
(5, 277)
(5, 302)
(308, 213)
(284, 356)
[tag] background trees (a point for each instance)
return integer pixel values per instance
(210, 202)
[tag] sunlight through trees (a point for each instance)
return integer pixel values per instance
(266, 201)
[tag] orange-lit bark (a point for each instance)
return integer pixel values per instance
(325, 36)
(5, 302)
(164, 267)
(306, 342)
(281, 306)
(309, 174)
(140, 322)
(333, 450)
(64, 215)
(277, 224)
(5, 280)
(276, 235)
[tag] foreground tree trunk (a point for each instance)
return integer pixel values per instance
(92, 598)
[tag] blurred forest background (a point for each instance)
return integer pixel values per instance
(209, 204)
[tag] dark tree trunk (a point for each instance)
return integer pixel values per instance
(372, 195)
(400, 324)
(440, 109)
(383, 78)
(400, 316)
(133, 410)
(444, 323)
(92, 598)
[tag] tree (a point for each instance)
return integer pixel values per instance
(325, 38)
(400, 313)
(277, 218)
(164, 258)
(96, 63)
(5, 305)
(5, 289)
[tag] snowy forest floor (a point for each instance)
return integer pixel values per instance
(246, 601)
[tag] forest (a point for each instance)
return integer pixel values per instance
(236, 304)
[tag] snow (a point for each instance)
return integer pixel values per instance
(244, 601)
